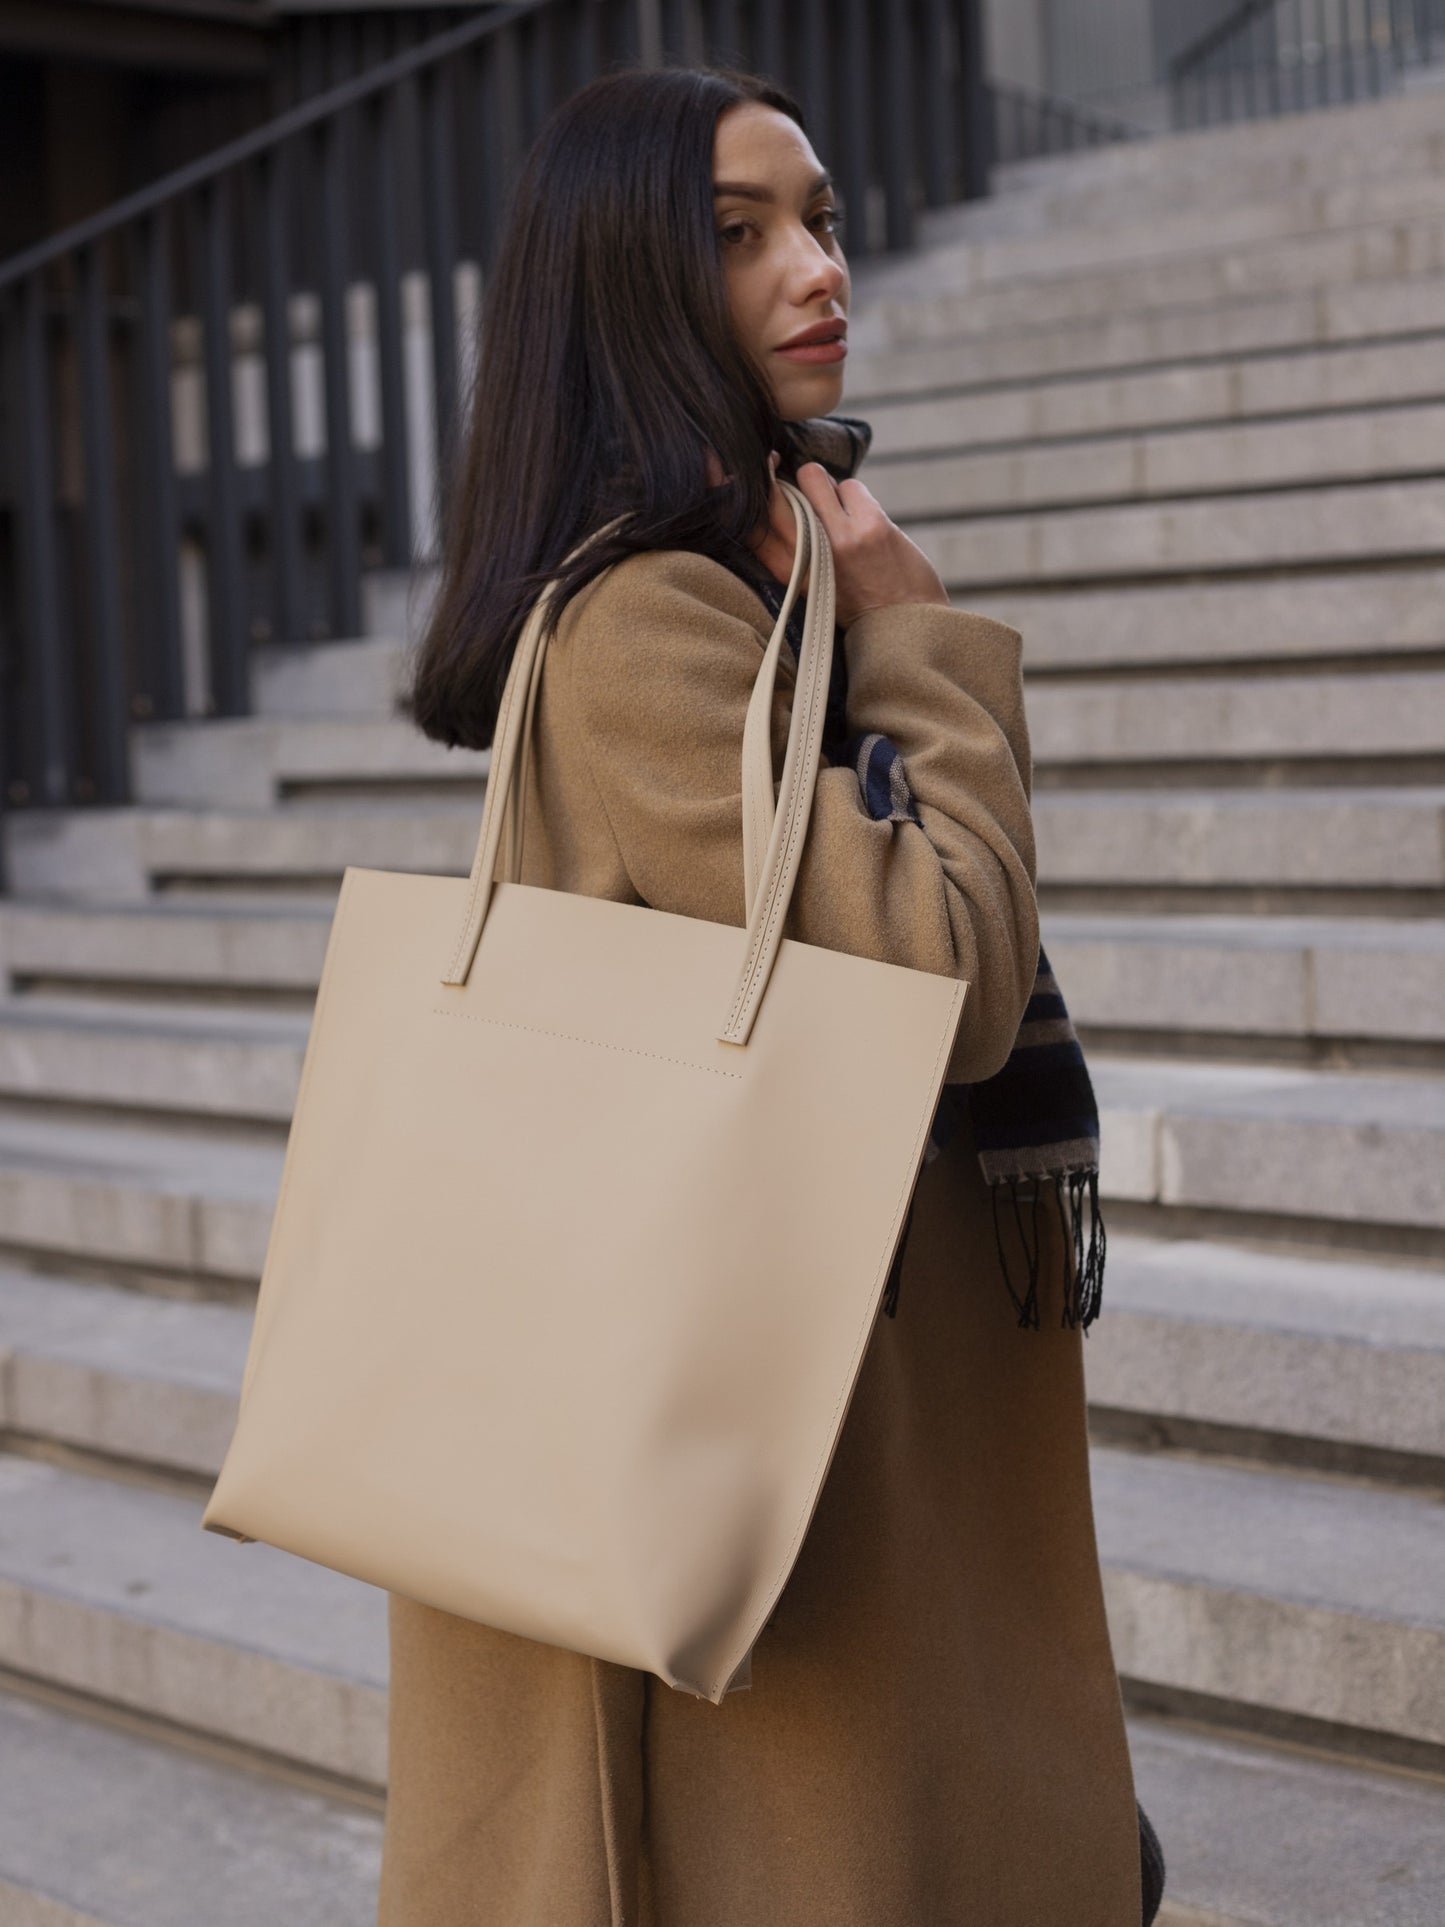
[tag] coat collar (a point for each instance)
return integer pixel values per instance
(839, 442)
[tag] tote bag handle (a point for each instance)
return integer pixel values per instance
(773, 837)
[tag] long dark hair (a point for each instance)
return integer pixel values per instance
(607, 366)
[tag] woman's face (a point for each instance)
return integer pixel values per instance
(785, 272)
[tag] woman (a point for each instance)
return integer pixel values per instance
(934, 1733)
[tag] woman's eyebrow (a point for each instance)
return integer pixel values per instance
(751, 191)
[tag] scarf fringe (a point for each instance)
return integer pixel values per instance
(1083, 1284)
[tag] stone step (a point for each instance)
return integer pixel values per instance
(929, 348)
(1276, 1592)
(115, 1590)
(361, 677)
(179, 1205)
(1358, 445)
(145, 1380)
(1312, 1147)
(1285, 528)
(1290, 839)
(1332, 615)
(100, 1827)
(1299, 978)
(1294, 838)
(1330, 1350)
(110, 855)
(1259, 1834)
(104, 1827)
(167, 944)
(1322, 1350)
(252, 761)
(1130, 181)
(946, 301)
(1266, 388)
(1289, 978)
(1247, 720)
(961, 250)
(1302, 1145)
(226, 1062)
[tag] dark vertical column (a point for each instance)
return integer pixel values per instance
(110, 696)
(343, 534)
(45, 646)
(853, 161)
(158, 527)
(282, 476)
(724, 33)
(895, 129)
(976, 100)
(769, 54)
(585, 39)
(225, 573)
(940, 52)
(395, 485)
(496, 93)
(439, 215)
(814, 75)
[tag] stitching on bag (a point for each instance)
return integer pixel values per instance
(765, 934)
(477, 1017)
(852, 1375)
(499, 733)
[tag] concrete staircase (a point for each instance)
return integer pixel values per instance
(1177, 411)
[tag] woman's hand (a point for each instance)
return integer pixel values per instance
(875, 564)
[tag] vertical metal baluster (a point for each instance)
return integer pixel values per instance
(485, 109)
(438, 207)
(854, 161)
(724, 33)
(680, 32)
(395, 486)
(343, 534)
(976, 143)
(938, 148)
(1273, 92)
(158, 530)
(102, 543)
(498, 104)
(813, 69)
(769, 55)
(584, 34)
(47, 654)
(225, 570)
(532, 47)
(896, 128)
(282, 478)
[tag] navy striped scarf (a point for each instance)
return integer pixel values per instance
(1035, 1123)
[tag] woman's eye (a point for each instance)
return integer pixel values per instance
(734, 228)
(833, 215)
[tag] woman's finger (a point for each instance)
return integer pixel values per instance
(822, 491)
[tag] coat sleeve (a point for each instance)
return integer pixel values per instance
(662, 652)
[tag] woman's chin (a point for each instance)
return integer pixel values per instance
(817, 393)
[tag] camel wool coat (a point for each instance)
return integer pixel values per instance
(934, 1734)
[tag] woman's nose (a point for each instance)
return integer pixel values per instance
(817, 272)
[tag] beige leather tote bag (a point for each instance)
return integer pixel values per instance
(582, 1230)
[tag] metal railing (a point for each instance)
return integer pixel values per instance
(231, 394)
(1028, 124)
(1271, 57)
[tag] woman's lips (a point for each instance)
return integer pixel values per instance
(816, 351)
